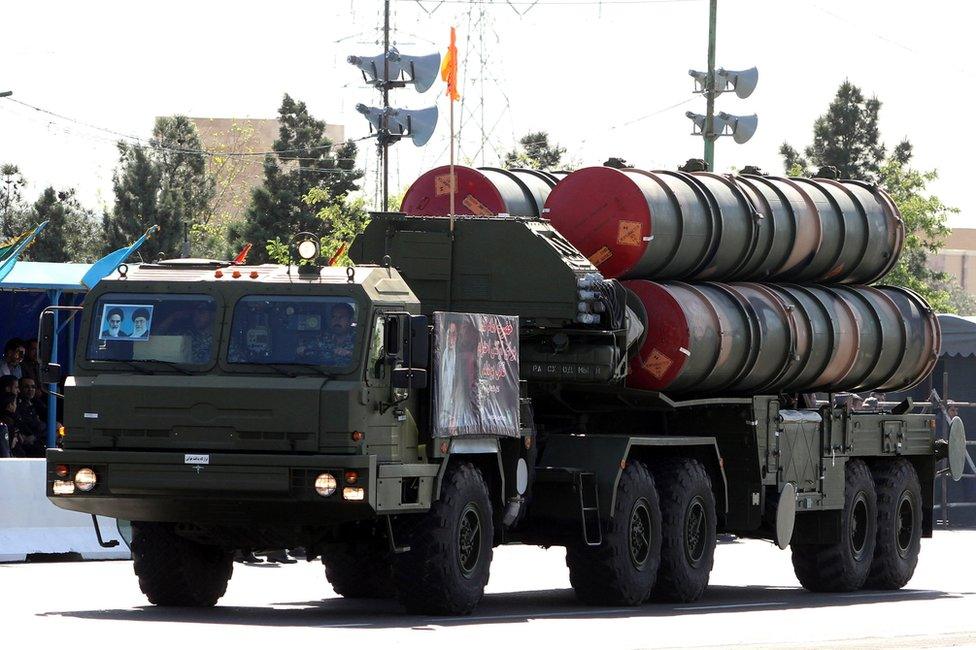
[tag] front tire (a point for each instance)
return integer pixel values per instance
(446, 569)
(622, 570)
(899, 524)
(689, 524)
(844, 564)
(177, 572)
(359, 569)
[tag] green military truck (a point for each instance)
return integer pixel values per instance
(465, 385)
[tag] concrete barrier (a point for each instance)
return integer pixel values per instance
(30, 523)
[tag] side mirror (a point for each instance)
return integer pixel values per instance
(391, 337)
(419, 356)
(409, 378)
(46, 334)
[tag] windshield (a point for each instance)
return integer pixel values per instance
(173, 328)
(312, 330)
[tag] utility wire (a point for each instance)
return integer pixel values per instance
(202, 152)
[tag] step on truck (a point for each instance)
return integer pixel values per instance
(473, 382)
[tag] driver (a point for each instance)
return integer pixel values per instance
(340, 337)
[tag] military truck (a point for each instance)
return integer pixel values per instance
(376, 416)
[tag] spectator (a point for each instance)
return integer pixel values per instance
(13, 355)
(8, 417)
(31, 367)
(9, 385)
(30, 390)
(29, 416)
(4, 441)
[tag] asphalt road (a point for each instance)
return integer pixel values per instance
(753, 600)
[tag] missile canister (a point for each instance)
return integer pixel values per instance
(749, 338)
(701, 226)
(485, 191)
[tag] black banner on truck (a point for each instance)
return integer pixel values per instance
(476, 381)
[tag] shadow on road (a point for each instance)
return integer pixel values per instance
(511, 607)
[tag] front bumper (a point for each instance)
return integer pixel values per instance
(227, 489)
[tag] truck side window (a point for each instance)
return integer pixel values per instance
(375, 367)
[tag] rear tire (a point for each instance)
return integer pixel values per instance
(359, 569)
(622, 570)
(844, 565)
(689, 525)
(176, 572)
(446, 569)
(899, 524)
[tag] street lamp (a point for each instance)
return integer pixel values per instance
(6, 93)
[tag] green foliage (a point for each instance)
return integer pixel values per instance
(341, 221)
(305, 160)
(165, 183)
(73, 233)
(925, 219)
(535, 152)
(845, 137)
(12, 202)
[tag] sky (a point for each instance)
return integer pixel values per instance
(603, 78)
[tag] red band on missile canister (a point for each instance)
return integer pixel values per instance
(665, 349)
(430, 195)
(601, 207)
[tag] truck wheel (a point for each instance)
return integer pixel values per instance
(844, 564)
(899, 525)
(622, 570)
(359, 569)
(176, 572)
(446, 569)
(688, 522)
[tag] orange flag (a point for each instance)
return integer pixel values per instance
(449, 69)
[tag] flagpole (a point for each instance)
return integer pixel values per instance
(453, 181)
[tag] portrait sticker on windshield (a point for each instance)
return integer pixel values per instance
(126, 322)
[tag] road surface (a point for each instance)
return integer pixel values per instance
(753, 600)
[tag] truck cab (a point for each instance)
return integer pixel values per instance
(206, 392)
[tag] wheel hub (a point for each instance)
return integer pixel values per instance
(640, 533)
(695, 531)
(469, 540)
(859, 526)
(905, 524)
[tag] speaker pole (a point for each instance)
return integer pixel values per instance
(709, 130)
(384, 143)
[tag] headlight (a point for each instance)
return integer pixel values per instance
(325, 484)
(85, 479)
(353, 493)
(63, 487)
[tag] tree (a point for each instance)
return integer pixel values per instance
(11, 201)
(845, 137)
(304, 160)
(165, 183)
(535, 152)
(73, 233)
(340, 221)
(925, 217)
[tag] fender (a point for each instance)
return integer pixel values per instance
(607, 456)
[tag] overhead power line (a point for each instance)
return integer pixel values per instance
(203, 152)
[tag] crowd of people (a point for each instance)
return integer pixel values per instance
(23, 408)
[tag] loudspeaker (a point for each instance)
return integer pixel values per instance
(372, 67)
(421, 71)
(743, 81)
(418, 125)
(743, 126)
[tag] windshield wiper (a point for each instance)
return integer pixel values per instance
(133, 365)
(169, 364)
(274, 367)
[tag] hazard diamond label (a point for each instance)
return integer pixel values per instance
(657, 363)
(629, 233)
(476, 206)
(601, 256)
(443, 184)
